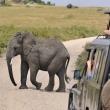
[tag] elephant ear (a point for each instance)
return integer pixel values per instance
(17, 34)
(28, 42)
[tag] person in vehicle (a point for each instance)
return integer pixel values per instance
(90, 69)
(105, 94)
(107, 32)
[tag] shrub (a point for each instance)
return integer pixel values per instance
(100, 9)
(76, 7)
(82, 58)
(6, 4)
(71, 16)
(27, 6)
(63, 34)
(69, 6)
(82, 31)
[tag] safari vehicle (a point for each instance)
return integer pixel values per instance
(86, 93)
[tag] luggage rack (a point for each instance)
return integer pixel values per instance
(103, 36)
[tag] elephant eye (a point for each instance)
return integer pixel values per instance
(15, 47)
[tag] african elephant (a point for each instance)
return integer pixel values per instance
(38, 54)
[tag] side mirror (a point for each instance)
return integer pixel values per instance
(77, 74)
(109, 76)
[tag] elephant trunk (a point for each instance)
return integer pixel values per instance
(10, 70)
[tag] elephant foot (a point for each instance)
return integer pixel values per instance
(38, 86)
(23, 87)
(49, 88)
(60, 90)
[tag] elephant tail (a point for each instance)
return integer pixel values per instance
(66, 77)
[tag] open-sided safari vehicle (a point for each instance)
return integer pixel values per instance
(86, 93)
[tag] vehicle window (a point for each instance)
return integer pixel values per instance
(97, 65)
(96, 56)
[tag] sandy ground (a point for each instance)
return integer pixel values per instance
(12, 98)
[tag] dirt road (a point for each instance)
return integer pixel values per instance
(12, 98)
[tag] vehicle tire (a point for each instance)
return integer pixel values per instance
(71, 106)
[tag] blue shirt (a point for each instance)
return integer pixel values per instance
(90, 75)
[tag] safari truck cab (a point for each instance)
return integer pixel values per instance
(86, 93)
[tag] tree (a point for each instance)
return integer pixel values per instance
(53, 4)
(69, 6)
(48, 3)
(38, 1)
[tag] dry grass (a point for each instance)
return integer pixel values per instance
(51, 16)
(51, 21)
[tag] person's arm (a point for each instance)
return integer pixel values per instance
(89, 68)
(107, 32)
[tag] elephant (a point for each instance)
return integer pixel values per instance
(46, 54)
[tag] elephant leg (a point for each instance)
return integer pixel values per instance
(24, 71)
(53, 68)
(33, 74)
(60, 75)
(51, 82)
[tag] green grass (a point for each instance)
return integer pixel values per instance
(82, 58)
(51, 21)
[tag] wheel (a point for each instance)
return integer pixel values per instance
(71, 106)
(70, 102)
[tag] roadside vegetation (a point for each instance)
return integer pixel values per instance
(50, 22)
(82, 58)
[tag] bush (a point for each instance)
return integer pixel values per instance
(27, 6)
(76, 7)
(82, 31)
(100, 9)
(63, 34)
(82, 58)
(6, 4)
(69, 6)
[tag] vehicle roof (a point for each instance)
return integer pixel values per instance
(102, 41)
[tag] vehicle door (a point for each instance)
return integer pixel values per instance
(92, 85)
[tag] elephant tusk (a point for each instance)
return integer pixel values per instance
(68, 80)
(11, 61)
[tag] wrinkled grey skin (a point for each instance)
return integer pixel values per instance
(2, 2)
(38, 54)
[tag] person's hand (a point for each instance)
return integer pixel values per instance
(89, 65)
(90, 62)
(107, 32)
